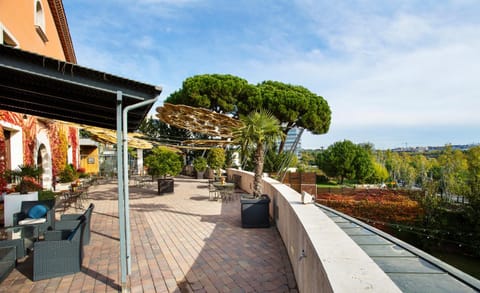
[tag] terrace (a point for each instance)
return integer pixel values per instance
(180, 242)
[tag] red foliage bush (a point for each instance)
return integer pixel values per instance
(375, 205)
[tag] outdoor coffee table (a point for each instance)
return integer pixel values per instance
(225, 189)
(7, 261)
(20, 237)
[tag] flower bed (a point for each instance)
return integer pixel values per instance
(375, 205)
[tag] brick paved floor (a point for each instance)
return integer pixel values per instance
(180, 242)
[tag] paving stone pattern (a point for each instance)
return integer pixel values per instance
(181, 242)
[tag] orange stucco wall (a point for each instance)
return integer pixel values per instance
(18, 17)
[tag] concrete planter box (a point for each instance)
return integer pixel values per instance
(12, 203)
(165, 185)
(255, 212)
(200, 174)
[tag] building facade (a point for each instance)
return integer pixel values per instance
(37, 26)
(290, 142)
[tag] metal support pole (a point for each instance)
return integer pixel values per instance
(125, 177)
(121, 194)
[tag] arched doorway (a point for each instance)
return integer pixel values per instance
(44, 161)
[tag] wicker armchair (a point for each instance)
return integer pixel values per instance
(70, 221)
(54, 258)
(21, 218)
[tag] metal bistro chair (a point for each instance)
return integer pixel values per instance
(212, 190)
(225, 191)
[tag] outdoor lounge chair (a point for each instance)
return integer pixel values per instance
(37, 213)
(70, 221)
(59, 254)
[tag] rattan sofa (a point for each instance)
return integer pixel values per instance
(70, 221)
(59, 254)
(22, 216)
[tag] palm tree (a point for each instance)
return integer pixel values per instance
(28, 175)
(260, 130)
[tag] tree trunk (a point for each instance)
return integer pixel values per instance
(282, 144)
(257, 182)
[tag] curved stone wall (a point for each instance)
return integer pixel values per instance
(323, 257)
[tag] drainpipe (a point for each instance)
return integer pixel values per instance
(123, 192)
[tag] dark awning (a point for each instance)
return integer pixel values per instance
(46, 87)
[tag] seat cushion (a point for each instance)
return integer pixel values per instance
(37, 211)
(30, 221)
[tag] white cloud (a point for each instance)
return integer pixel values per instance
(376, 63)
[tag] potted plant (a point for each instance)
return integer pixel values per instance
(28, 176)
(260, 130)
(27, 189)
(216, 160)
(162, 162)
(200, 165)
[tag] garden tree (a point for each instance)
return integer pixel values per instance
(399, 166)
(217, 92)
(473, 190)
(423, 167)
(380, 173)
(346, 160)
(454, 169)
(392, 163)
(163, 161)
(261, 130)
(407, 172)
(293, 105)
(338, 160)
(216, 159)
(473, 169)
(363, 164)
(307, 158)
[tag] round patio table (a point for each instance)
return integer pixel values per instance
(225, 190)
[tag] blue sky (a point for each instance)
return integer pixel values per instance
(394, 73)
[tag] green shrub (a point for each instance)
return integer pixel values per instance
(200, 164)
(46, 195)
(216, 159)
(68, 174)
(163, 161)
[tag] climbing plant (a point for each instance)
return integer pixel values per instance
(59, 146)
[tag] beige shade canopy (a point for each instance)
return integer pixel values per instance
(206, 142)
(198, 120)
(108, 136)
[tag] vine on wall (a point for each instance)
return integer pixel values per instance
(73, 140)
(59, 146)
(3, 166)
(29, 130)
(59, 137)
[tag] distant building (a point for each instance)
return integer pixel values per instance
(433, 148)
(290, 141)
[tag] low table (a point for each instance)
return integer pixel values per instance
(20, 237)
(7, 261)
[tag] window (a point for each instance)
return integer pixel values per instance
(6, 38)
(40, 20)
